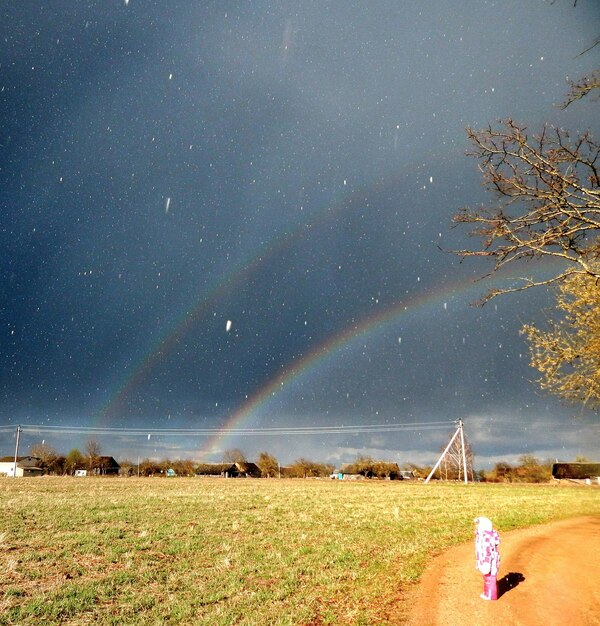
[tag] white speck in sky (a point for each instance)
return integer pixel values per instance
(167, 205)
(399, 339)
(431, 179)
(228, 326)
(148, 436)
(126, 2)
(445, 306)
(170, 76)
(345, 182)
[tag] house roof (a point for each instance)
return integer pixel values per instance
(23, 461)
(248, 468)
(29, 462)
(215, 469)
(107, 461)
(576, 471)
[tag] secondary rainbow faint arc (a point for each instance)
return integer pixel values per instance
(325, 350)
(227, 283)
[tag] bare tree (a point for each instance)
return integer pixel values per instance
(45, 452)
(548, 201)
(128, 468)
(547, 188)
(584, 86)
(235, 455)
(451, 467)
(94, 450)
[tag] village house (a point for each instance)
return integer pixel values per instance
(581, 472)
(26, 466)
(106, 466)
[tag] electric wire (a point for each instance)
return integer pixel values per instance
(208, 432)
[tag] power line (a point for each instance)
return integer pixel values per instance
(208, 432)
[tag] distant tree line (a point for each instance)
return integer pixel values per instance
(372, 468)
(529, 469)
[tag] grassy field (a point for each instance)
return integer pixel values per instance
(201, 551)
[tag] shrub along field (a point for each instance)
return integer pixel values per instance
(202, 551)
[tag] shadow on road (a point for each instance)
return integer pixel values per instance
(508, 582)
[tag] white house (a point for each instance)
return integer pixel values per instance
(26, 466)
(7, 468)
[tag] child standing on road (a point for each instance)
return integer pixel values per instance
(487, 556)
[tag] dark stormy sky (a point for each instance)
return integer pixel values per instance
(221, 213)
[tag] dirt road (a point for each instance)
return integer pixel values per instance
(549, 575)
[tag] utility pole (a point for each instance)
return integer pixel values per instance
(459, 431)
(19, 429)
(462, 445)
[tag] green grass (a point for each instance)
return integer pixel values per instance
(218, 552)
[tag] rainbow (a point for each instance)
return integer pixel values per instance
(208, 298)
(168, 340)
(327, 351)
(467, 289)
(165, 343)
(301, 367)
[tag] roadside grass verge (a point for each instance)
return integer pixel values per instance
(220, 552)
